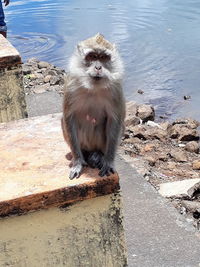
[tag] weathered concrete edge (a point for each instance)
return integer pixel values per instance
(9, 56)
(60, 196)
(10, 61)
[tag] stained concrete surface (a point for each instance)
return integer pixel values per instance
(157, 236)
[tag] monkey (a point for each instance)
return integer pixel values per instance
(93, 106)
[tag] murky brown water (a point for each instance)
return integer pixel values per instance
(158, 39)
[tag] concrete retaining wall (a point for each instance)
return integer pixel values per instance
(12, 96)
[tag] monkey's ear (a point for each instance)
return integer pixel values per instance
(114, 47)
(80, 49)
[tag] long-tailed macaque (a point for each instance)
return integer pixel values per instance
(94, 106)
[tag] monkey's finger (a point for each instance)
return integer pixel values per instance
(104, 172)
(74, 174)
(112, 170)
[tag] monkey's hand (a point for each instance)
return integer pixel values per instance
(106, 169)
(77, 169)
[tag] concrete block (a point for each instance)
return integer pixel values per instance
(72, 222)
(12, 96)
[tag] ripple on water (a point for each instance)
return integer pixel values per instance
(35, 44)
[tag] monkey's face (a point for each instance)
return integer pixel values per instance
(97, 64)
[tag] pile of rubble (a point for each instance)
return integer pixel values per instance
(41, 76)
(167, 154)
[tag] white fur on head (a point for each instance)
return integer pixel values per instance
(77, 64)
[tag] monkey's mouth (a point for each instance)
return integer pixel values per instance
(97, 78)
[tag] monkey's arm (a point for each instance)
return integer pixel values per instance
(114, 129)
(70, 134)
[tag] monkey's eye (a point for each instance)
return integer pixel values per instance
(91, 57)
(104, 57)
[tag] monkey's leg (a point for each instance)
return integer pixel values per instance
(113, 128)
(69, 126)
(94, 159)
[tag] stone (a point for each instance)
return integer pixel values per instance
(178, 155)
(183, 133)
(43, 64)
(131, 109)
(52, 72)
(32, 60)
(171, 165)
(26, 69)
(163, 156)
(156, 133)
(165, 125)
(151, 160)
(153, 124)
(132, 121)
(145, 112)
(179, 189)
(39, 89)
(196, 164)
(149, 147)
(193, 124)
(54, 80)
(191, 206)
(141, 92)
(139, 131)
(47, 78)
(192, 147)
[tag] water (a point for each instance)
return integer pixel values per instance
(158, 40)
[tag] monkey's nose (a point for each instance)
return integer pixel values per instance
(98, 67)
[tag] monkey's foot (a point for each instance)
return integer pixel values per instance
(106, 169)
(77, 169)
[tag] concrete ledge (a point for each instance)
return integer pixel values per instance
(9, 56)
(34, 171)
(12, 95)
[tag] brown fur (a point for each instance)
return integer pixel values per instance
(96, 115)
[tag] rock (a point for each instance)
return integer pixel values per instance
(149, 147)
(165, 125)
(39, 89)
(54, 80)
(32, 60)
(47, 78)
(141, 92)
(52, 73)
(178, 155)
(188, 135)
(131, 109)
(132, 121)
(151, 160)
(163, 156)
(192, 147)
(138, 131)
(153, 124)
(155, 133)
(145, 112)
(179, 189)
(183, 133)
(26, 69)
(186, 97)
(43, 64)
(193, 124)
(32, 77)
(196, 164)
(171, 165)
(191, 206)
